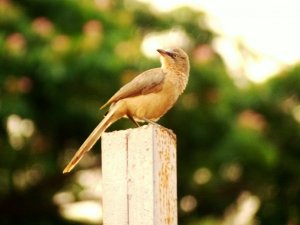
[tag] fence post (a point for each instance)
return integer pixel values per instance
(139, 177)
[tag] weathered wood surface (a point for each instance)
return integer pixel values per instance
(139, 177)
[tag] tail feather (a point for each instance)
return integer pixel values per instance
(91, 140)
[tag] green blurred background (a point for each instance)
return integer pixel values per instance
(238, 147)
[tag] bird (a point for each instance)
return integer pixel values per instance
(146, 98)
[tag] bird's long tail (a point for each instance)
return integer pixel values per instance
(92, 139)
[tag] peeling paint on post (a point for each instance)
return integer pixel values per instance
(147, 158)
(165, 169)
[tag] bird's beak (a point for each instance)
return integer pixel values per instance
(165, 53)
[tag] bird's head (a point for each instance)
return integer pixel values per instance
(174, 59)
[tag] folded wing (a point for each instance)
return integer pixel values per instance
(147, 82)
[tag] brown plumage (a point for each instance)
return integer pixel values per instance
(146, 98)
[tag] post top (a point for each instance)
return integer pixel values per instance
(144, 128)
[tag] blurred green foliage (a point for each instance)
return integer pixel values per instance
(61, 59)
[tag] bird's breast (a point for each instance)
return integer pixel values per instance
(152, 106)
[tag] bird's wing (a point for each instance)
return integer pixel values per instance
(147, 82)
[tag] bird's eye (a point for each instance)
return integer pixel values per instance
(174, 56)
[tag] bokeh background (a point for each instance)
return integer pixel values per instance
(238, 133)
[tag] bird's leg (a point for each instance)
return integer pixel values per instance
(133, 120)
(152, 122)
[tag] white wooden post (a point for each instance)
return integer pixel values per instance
(139, 177)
